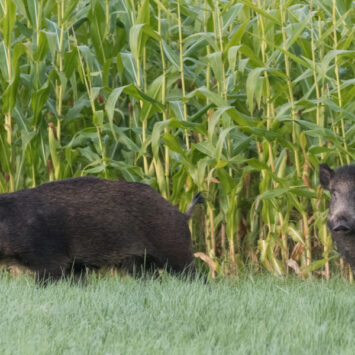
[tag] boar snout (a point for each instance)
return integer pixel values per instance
(340, 226)
(341, 217)
(341, 184)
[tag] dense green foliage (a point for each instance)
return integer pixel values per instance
(125, 316)
(240, 99)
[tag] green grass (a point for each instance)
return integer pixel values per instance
(114, 315)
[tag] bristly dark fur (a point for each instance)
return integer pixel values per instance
(87, 222)
(341, 217)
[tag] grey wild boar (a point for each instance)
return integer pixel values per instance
(66, 226)
(341, 218)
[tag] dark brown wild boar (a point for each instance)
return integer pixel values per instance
(87, 222)
(341, 217)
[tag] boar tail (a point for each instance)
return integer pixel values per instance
(198, 199)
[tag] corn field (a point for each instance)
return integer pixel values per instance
(239, 99)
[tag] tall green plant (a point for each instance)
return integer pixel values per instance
(239, 99)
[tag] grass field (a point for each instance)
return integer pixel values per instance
(114, 315)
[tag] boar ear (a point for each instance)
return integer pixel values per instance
(325, 175)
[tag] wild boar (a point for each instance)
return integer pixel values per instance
(69, 225)
(341, 217)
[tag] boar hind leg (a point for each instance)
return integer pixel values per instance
(140, 266)
(181, 263)
(187, 270)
